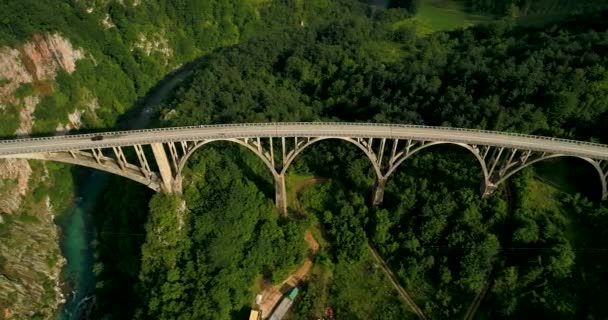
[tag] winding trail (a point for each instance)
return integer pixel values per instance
(273, 294)
(402, 292)
(478, 298)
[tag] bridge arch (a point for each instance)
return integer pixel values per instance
(370, 155)
(475, 152)
(595, 164)
(184, 159)
(130, 172)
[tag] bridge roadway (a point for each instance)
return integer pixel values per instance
(320, 129)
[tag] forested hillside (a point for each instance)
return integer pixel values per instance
(536, 7)
(81, 65)
(531, 240)
(536, 245)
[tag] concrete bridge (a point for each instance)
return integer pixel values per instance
(156, 157)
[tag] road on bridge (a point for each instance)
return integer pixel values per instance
(336, 130)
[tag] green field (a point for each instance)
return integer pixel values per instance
(445, 15)
(442, 15)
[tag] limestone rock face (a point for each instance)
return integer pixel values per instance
(155, 43)
(49, 53)
(35, 61)
(30, 257)
(14, 179)
(30, 267)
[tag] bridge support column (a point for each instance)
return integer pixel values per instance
(487, 188)
(280, 193)
(177, 184)
(163, 167)
(379, 191)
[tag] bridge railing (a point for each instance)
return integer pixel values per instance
(270, 124)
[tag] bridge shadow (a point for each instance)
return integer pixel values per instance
(569, 175)
(120, 217)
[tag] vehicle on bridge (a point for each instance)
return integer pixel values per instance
(97, 138)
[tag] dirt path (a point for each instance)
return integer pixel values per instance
(273, 294)
(402, 293)
(298, 189)
(477, 300)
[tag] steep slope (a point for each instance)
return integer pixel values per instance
(30, 255)
(67, 65)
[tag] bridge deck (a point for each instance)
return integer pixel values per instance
(339, 130)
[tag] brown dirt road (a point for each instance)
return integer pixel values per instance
(271, 295)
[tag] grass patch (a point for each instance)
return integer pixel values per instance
(293, 183)
(315, 229)
(256, 287)
(569, 175)
(353, 289)
(541, 197)
(362, 291)
(442, 15)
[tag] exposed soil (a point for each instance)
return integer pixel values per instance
(298, 188)
(273, 294)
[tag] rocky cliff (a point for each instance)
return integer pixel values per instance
(30, 257)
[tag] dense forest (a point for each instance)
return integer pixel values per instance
(537, 245)
(538, 241)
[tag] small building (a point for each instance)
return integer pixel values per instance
(285, 304)
(254, 315)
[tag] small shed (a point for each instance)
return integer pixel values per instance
(254, 315)
(293, 293)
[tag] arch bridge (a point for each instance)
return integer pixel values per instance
(156, 157)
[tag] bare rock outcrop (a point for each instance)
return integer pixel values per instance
(30, 267)
(154, 43)
(14, 179)
(46, 54)
(35, 62)
(30, 258)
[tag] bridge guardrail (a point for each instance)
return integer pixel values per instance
(496, 133)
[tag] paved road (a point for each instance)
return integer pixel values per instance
(311, 129)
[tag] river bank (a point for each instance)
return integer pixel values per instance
(77, 227)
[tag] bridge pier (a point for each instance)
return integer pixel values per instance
(163, 167)
(487, 188)
(177, 184)
(378, 196)
(280, 193)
